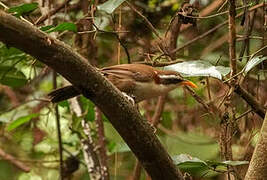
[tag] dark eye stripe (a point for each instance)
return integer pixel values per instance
(171, 80)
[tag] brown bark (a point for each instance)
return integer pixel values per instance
(136, 132)
(258, 165)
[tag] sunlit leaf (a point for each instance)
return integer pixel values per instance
(18, 122)
(110, 5)
(12, 77)
(23, 9)
(253, 62)
(66, 26)
(199, 68)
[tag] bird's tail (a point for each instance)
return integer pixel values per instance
(63, 93)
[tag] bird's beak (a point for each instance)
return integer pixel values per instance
(189, 83)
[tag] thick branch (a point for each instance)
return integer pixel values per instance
(136, 132)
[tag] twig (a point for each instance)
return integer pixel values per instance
(60, 148)
(52, 12)
(232, 37)
(255, 105)
(146, 20)
(200, 100)
(159, 109)
(102, 144)
(118, 38)
(212, 30)
(14, 161)
(213, 15)
(244, 114)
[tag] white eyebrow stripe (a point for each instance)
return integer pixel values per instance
(168, 76)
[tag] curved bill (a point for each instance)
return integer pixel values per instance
(189, 83)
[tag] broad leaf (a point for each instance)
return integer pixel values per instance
(18, 122)
(253, 62)
(199, 68)
(12, 77)
(199, 167)
(110, 5)
(23, 9)
(63, 27)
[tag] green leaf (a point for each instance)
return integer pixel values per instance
(21, 120)
(63, 27)
(110, 5)
(188, 161)
(12, 77)
(199, 68)
(253, 62)
(23, 9)
(198, 167)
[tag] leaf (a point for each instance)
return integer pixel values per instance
(23, 9)
(185, 159)
(199, 68)
(21, 120)
(12, 77)
(110, 5)
(253, 62)
(63, 27)
(199, 167)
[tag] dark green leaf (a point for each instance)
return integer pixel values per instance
(253, 62)
(12, 77)
(110, 5)
(21, 120)
(199, 68)
(63, 27)
(23, 9)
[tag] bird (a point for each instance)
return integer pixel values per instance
(137, 81)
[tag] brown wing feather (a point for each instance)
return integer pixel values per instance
(138, 72)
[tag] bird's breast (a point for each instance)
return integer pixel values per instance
(147, 90)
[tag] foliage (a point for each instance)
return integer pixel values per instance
(23, 9)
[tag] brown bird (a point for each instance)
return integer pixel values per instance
(138, 81)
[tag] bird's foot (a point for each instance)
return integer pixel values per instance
(129, 98)
(153, 128)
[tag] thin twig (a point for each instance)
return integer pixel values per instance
(14, 161)
(52, 12)
(146, 20)
(212, 30)
(102, 144)
(60, 148)
(255, 105)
